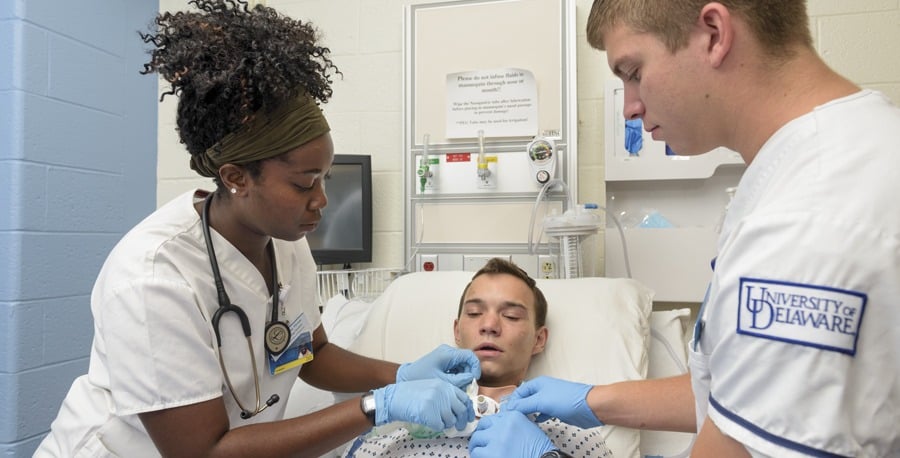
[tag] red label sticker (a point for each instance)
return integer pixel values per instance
(459, 157)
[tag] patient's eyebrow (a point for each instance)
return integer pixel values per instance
(515, 305)
(478, 302)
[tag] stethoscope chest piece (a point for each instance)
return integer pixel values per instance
(278, 335)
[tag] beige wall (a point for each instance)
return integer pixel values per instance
(858, 38)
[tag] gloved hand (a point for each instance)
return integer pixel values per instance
(508, 433)
(434, 403)
(456, 366)
(634, 137)
(553, 397)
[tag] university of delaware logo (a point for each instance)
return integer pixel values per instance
(816, 316)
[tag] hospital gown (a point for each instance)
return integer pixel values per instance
(400, 442)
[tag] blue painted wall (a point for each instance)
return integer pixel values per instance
(77, 170)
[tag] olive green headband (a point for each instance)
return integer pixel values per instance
(267, 135)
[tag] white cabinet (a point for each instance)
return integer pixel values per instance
(686, 193)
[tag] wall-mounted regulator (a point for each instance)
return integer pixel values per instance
(428, 168)
(486, 166)
(542, 157)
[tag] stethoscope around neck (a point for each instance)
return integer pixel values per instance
(278, 333)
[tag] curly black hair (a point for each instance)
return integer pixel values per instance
(226, 61)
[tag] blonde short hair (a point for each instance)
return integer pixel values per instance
(778, 25)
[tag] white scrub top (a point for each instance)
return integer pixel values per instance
(799, 341)
(154, 346)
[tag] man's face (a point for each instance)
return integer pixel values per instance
(498, 323)
(665, 90)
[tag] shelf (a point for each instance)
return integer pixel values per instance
(661, 167)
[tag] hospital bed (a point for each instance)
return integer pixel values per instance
(601, 330)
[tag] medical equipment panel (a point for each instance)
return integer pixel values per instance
(489, 118)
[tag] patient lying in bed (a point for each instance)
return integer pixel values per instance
(501, 318)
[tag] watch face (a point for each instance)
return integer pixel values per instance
(369, 404)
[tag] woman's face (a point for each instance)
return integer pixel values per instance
(286, 200)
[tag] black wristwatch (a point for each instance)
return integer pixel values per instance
(555, 453)
(367, 405)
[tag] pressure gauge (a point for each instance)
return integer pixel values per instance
(542, 157)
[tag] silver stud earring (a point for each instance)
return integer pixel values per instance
(234, 190)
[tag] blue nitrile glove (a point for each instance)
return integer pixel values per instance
(432, 402)
(553, 397)
(454, 365)
(634, 137)
(506, 434)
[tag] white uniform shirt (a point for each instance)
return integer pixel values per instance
(154, 346)
(799, 347)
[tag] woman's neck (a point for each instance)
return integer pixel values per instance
(225, 222)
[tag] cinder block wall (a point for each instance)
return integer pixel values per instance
(77, 162)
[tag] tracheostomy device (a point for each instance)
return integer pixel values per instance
(482, 404)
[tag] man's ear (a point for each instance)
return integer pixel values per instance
(233, 177)
(540, 340)
(716, 24)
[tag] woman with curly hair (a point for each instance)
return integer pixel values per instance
(204, 313)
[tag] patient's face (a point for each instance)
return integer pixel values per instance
(498, 323)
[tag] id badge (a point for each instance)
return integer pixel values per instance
(298, 352)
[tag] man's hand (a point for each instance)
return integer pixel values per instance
(551, 397)
(506, 434)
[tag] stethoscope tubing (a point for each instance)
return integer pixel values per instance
(225, 306)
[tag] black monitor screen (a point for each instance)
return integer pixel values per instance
(345, 233)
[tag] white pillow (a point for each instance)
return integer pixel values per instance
(598, 327)
(343, 319)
